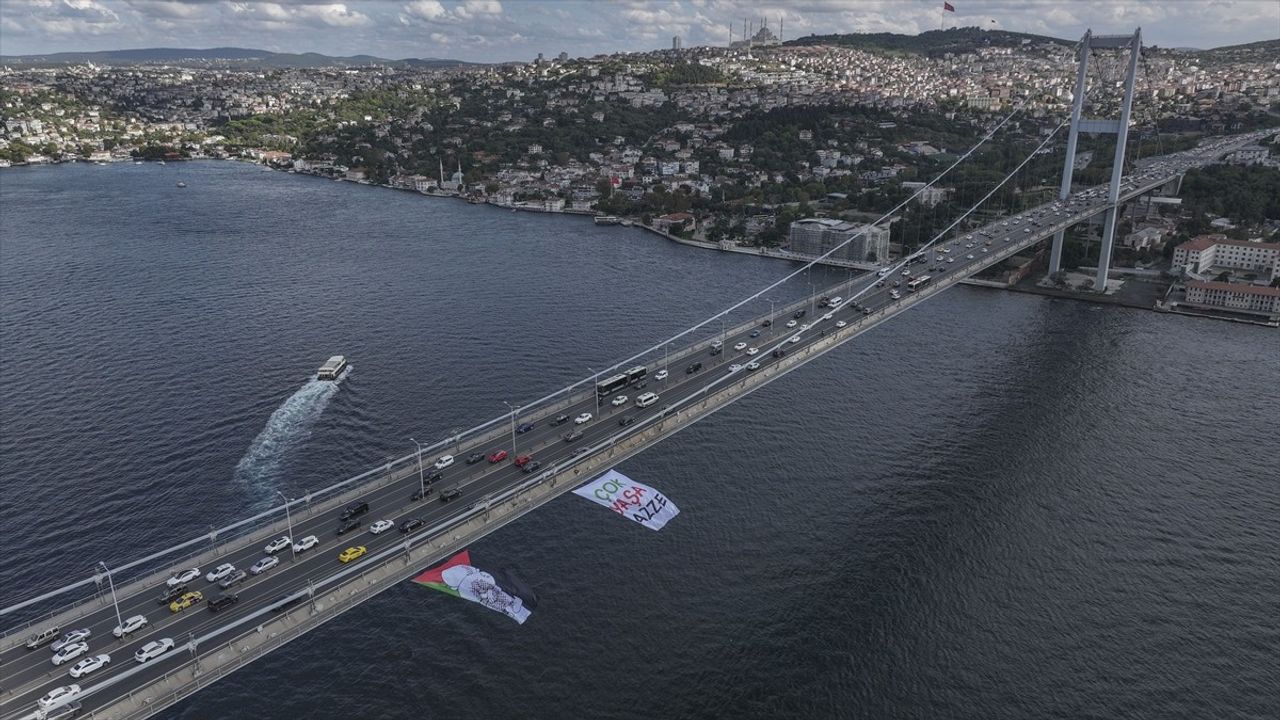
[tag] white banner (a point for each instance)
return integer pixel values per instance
(627, 497)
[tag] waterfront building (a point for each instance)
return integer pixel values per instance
(1203, 253)
(816, 236)
(1250, 299)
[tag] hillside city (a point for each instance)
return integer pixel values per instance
(738, 148)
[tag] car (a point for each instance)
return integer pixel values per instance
(716, 344)
(522, 460)
(717, 350)
(277, 545)
(73, 636)
(951, 260)
(421, 493)
(523, 428)
(574, 436)
(222, 602)
(352, 553)
(794, 339)
(693, 368)
(70, 651)
(792, 323)
(626, 420)
(381, 526)
(753, 366)
(619, 401)
(969, 256)
(46, 635)
(531, 466)
(798, 314)
(474, 458)
(433, 476)
(306, 543)
(582, 418)
(88, 665)
(452, 493)
(169, 594)
(130, 625)
(497, 456)
(660, 375)
(735, 368)
(752, 351)
(766, 323)
(354, 510)
(411, 524)
(186, 601)
(153, 649)
(755, 333)
(220, 572)
(986, 249)
(183, 577)
(779, 352)
(896, 283)
(58, 696)
(841, 323)
(579, 451)
(234, 578)
(264, 565)
(827, 316)
(561, 419)
(444, 462)
(349, 526)
(739, 347)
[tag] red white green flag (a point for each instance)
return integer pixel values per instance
(501, 590)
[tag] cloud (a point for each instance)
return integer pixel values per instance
(429, 10)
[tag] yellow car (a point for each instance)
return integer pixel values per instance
(186, 601)
(352, 553)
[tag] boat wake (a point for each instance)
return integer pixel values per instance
(287, 426)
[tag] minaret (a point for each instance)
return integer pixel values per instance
(442, 174)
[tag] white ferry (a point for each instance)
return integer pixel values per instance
(607, 220)
(332, 368)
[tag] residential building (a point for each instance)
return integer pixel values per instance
(1205, 252)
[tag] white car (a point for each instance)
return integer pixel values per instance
(794, 339)
(752, 351)
(131, 625)
(804, 327)
(951, 260)
(381, 526)
(183, 577)
(153, 649)
(88, 665)
(277, 545)
(619, 401)
(660, 375)
(73, 636)
(220, 572)
(740, 347)
(753, 365)
(583, 418)
(70, 652)
(444, 462)
(791, 323)
(841, 323)
(306, 543)
(264, 565)
(58, 697)
(969, 256)
(988, 249)
(836, 300)
(827, 316)
(732, 368)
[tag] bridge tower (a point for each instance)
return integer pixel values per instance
(1118, 126)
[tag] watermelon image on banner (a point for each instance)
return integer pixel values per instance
(499, 590)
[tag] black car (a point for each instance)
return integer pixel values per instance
(409, 526)
(560, 420)
(824, 302)
(693, 368)
(573, 436)
(798, 314)
(355, 510)
(717, 350)
(222, 602)
(421, 493)
(766, 323)
(474, 458)
(169, 594)
(531, 466)
(779, 353)
(524, 428)
(433, 476)
(452, 493)
(626, 420)
(348, 526)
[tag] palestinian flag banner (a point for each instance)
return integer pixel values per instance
(499, 590)
(630, 499)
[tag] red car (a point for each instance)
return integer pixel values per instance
(523, 460)
(497, 456)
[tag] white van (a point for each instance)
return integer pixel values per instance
(646, 399)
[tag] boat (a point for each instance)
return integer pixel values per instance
(161, 162)
(607, 220)
(332, 368)
(181, 184)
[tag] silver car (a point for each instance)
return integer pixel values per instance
(73, 636)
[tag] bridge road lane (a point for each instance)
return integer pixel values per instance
(34, 670)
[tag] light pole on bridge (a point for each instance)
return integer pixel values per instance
(114, 601)
(772, 303)
(514, 410)
(288, 518)
(595, 384)
(422, 483)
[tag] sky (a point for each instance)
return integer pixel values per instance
(504, 30)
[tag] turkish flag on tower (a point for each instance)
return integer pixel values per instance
(948, 7)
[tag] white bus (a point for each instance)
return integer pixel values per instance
(918, 282)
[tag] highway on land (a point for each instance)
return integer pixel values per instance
(26, 675)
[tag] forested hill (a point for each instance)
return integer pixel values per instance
(932, 42)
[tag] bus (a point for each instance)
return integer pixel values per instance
(610, 385)
(917, 283)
